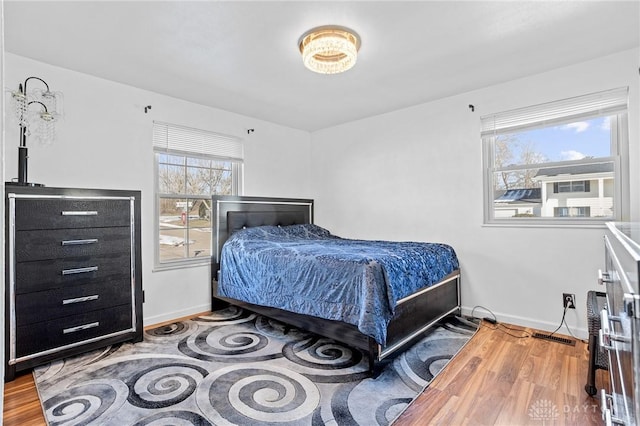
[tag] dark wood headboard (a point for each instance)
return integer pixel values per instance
(231, 213)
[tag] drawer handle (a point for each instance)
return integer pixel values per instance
(606, 319)
(632, 305)
(606, 335)
(79, 242)
(605, 340)
(80, 213)
(80, 299)
(606, 408)
(79, 270)
(603, 277)
(80, 327)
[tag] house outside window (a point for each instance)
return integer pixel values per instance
(561, 163)
(191, 165)
(595, 189)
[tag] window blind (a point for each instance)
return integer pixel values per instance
(609, 102)
(172, 137)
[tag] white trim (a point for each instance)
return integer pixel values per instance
(170, 316)
(536, 324)
(610, 102)
(182, 263)
(191, 141)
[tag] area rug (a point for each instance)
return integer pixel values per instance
(236, 367)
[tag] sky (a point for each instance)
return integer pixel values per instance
(574, 141)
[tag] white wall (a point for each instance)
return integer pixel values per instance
(104, 141)
(2, 196)
(385, 177)
(416, 174)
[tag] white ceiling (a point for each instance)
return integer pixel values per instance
(242, 56)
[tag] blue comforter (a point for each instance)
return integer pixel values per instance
(307, 270)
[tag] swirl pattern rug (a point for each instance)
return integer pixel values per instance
(234, 367)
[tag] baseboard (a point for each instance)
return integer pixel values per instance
(171, 316)
(579, 332)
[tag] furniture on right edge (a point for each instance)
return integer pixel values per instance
(619, 330)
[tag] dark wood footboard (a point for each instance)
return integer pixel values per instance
(413, 316)
(337, 330)
(417, 313)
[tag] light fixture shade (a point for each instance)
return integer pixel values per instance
(329, 49)
(36, 112)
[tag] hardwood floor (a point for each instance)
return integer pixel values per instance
(496, 379)
(21, 403)
(499, 379)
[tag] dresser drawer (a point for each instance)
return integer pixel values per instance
(55, 273)
(49, 305)
(45, 213)
(66, 243)
(34, 338)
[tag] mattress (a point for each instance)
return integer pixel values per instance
(307, 270)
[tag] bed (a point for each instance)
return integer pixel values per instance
(381, 324)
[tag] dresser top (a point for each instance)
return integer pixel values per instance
(45, 191)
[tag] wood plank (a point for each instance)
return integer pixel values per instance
(499, 378)
(21, 403)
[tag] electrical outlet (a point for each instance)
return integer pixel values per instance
(568, 300)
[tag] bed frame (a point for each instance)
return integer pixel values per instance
(414, 314)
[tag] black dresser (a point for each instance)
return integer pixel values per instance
(73, 272)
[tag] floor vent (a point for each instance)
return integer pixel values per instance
(555, 339)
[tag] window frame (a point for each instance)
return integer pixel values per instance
(619, 158)
(237, 176)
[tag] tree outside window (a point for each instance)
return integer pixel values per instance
(185, 186)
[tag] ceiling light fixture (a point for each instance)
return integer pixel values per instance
(329, 49)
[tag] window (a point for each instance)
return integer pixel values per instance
(576, 186)
(571, 211)
(190, 166)
(560, 163)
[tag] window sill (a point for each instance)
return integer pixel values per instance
(181, 265)
(569, 224)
